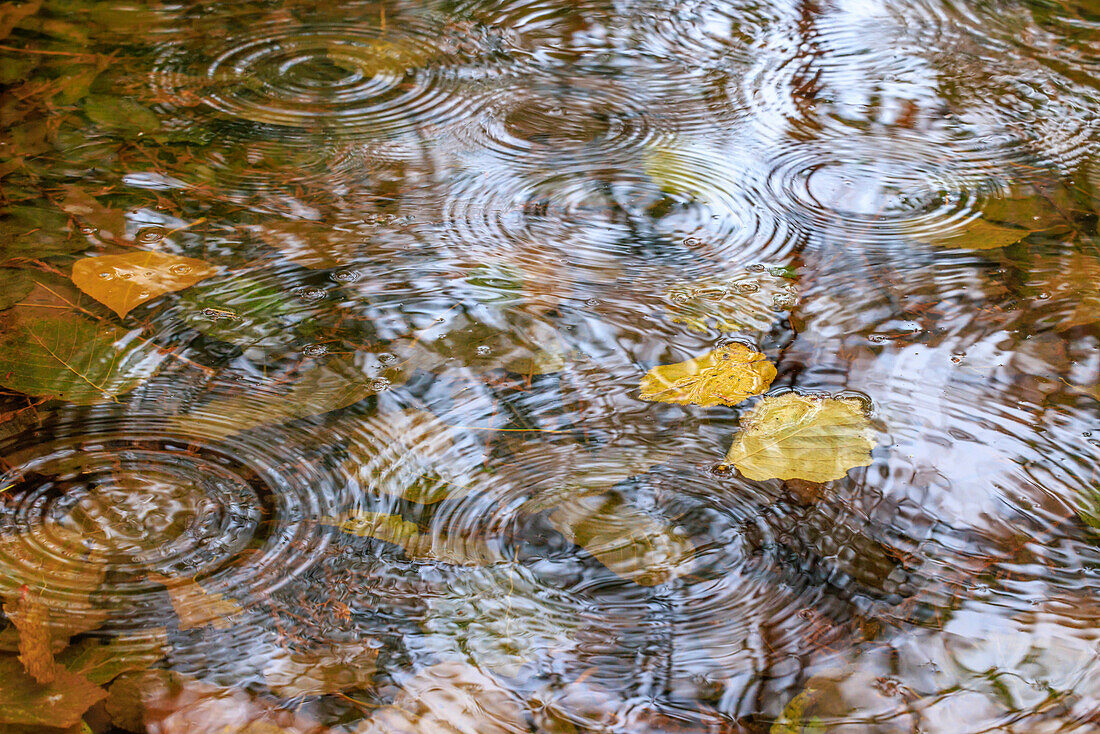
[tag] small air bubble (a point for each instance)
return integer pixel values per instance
(315, 350)
(379, 384)
(180, 269)
(483, 351)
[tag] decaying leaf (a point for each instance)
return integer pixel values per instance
(11, 14)
(500, 618)
(793, 436)
(74, 359)
(978, 234)
(450, 698)
(127, 652)
(120, 114)
(195, 606)
(747, 301)
(412, 454)
(30, 615)
(1074, 286)
(123, 282)
(329, 669)
(79, 203)
(168, 703)
(61, 703)
(321, 388)
(314, 245)
(726, 376)
(418, 546)
(14, 286)
(629, 542)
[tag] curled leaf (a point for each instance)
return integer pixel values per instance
(793, 436)
(726, 376)
(123, 282)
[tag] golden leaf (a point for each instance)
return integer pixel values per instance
(725, 376)
(795, 436)
(124, 282)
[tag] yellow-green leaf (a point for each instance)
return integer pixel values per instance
(795, 436)
(124, 282)
(979, 234)
(725, 376)
(444, 548)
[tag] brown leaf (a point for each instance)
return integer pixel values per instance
(440, 547)
(12, 14)
(79, 203)
(123, 282)
(58, 704)
(195, 606)
(450, 698)
(31, 618)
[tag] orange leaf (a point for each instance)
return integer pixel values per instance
(123, 282)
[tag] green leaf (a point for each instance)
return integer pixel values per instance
(726, 376)
(793, 436)
(14, 286)
(120, 114)
(74, 359)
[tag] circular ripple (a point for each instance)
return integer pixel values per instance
(318, 80)
(101, 522)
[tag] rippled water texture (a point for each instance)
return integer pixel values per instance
(324, 340)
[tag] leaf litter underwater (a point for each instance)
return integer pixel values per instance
(549, 367)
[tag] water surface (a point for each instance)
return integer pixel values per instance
(374, 458)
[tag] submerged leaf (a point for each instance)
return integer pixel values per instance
(726, 376)
(418, 546)
(750, 300)
(59, 704)
(793, 436)
(412, 454)
(128, 652)
(324, 387)
(31, 619)
(450, 698)
(123, 282)
(74, 359)
(14, 286)
(79, 203)
(330, 669)
(978, 234)
(629, 542)
(195, 606)
(120, 114)
(12, 14)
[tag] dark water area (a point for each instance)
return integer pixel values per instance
(549, 366)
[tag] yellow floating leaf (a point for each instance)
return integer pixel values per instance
(124, 282)
(725, 376)
(795, 436)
